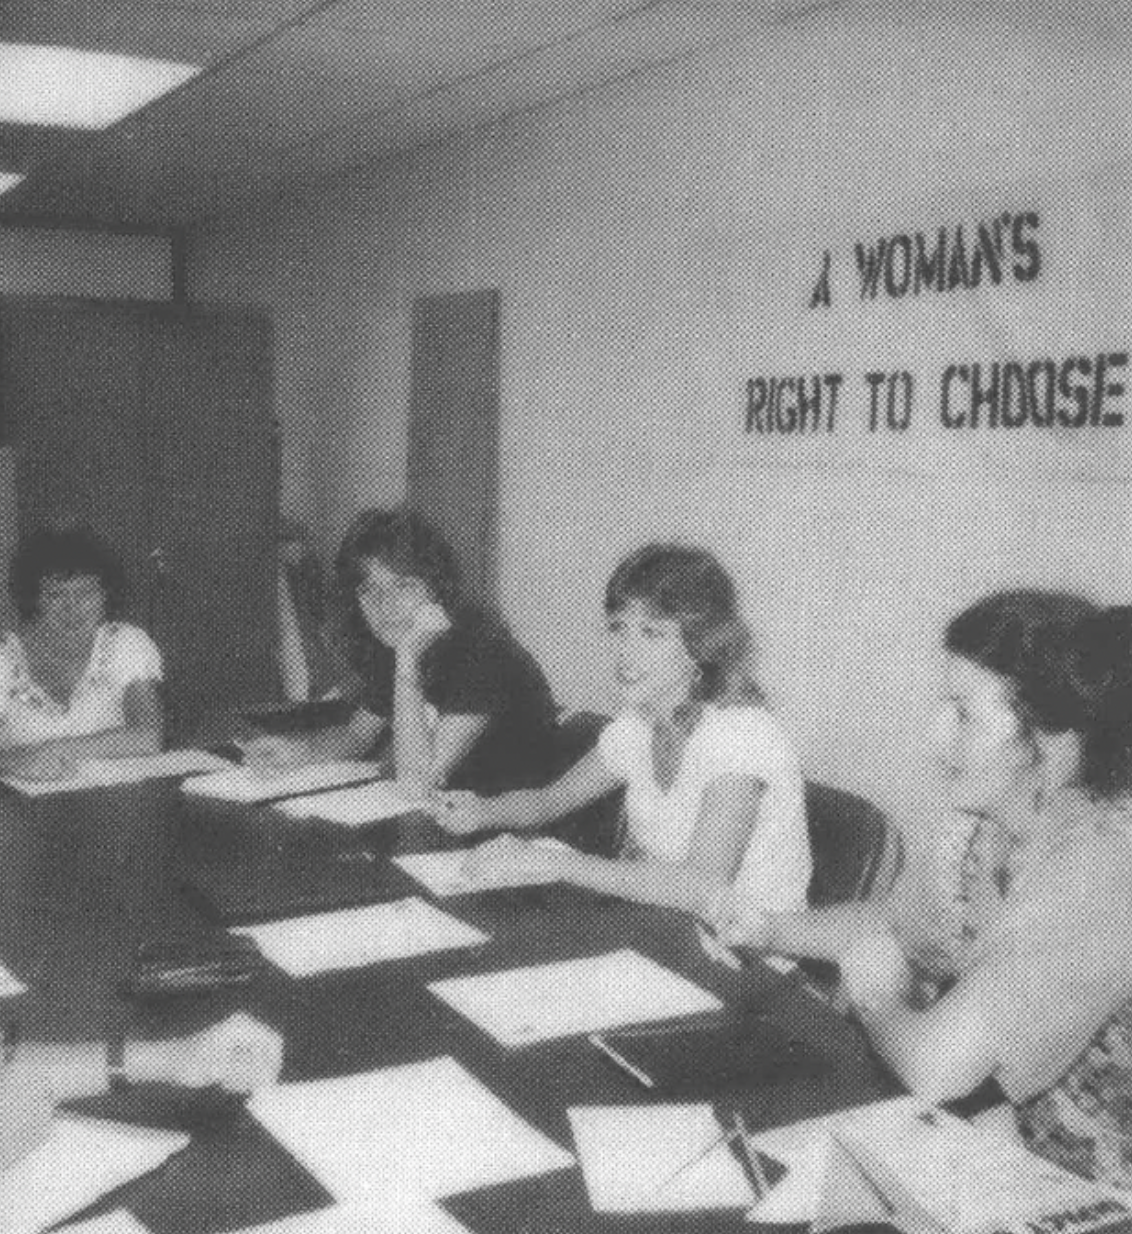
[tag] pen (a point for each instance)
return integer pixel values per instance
(749, 1157)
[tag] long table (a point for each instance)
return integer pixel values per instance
(86, 878)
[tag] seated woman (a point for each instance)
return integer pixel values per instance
(467, 705)
(75, 682)
(237, 1055)
(714, 794)
(1033, 987)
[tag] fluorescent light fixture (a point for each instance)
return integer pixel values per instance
(67, 88)
(9, 180)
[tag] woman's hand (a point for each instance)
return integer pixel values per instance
(45, 762)
(461, 813)
(737, 922)
(429, 622)
(239, 1054)
(267, 756)
(507, 861)
(875, 973)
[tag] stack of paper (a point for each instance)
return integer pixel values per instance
(81, 1160)
(665, 1158)
(442, 873)
(525, 1005)
(248, 785)
(355, 807)
(428, 1128)
(927, 1170)
(103, 772)
(355, 937)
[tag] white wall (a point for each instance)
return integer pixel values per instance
(655, 244)
(51, 262)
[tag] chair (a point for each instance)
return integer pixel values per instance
(856, 853)
(597, 827)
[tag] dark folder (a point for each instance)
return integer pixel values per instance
(709, 1058)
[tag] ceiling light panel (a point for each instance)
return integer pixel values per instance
(65, 87)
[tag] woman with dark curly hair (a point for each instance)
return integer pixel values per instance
(1034, 988)
(714, 794)
(75, 681)
(467, 705)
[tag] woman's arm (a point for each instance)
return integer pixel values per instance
(141, 733)
(329, 745)
(465, 813)
(727, 819)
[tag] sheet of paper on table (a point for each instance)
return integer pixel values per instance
(395, 1212)
(357, 806)
(805, 1148)
(103, 772)
(523, 1005)
(355, 937)
(118, 1222)
(927, 1169)
(243, 785)
(635, 1159)
(440, 873)
(428, 1128)
(81, 1160)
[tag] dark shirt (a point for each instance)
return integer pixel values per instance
(477, 668)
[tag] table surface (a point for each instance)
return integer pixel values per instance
(88, 877)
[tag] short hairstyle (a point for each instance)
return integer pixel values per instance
(689, 586)
(48, 553)
(407, 544)
(1069, 668)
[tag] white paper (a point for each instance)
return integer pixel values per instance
(429, 1128)
(804, 1148)
(102, 772)
(355, 937)
(635, 1159)
(395, 1212)
(355, 807)
(244, 785)
(81, 1160)
(523, 1005)
(440, 873)
(117, 1222)
(965, 1178)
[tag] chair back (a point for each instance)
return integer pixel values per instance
(856, 852)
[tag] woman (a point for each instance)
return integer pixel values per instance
(467, 705)
(237, 1055)
(714, 793)
(1033, 988)
(75, 682)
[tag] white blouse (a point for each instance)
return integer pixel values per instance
(727, 741)
(122, 654)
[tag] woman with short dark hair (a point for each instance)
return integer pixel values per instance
(1035, 988)
(467, 705)
(714, 794)
(76, 682)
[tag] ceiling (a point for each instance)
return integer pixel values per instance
(294, 90)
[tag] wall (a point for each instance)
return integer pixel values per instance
(656, 243)
(79, 263)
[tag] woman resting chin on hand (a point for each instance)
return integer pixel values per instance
(713, 789)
